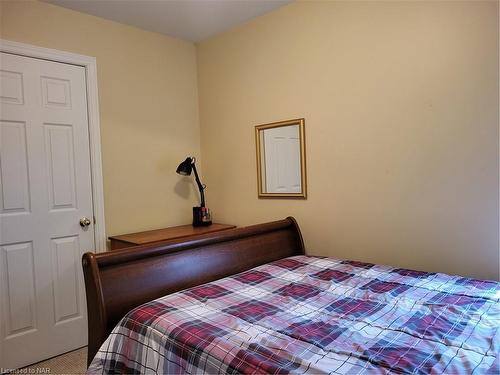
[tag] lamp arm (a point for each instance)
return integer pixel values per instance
(200, 186)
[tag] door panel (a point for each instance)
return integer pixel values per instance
(12, 87)
(45, 186)
(60, 165)
(14, 168)
(56, 92)
(65, 262)
(19, 283)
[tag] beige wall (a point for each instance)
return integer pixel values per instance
(148, 106)
(401, 108)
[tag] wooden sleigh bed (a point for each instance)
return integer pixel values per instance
(249, 300)
(118, 281)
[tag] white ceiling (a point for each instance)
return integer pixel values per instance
(193, 20)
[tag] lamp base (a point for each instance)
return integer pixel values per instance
(201, 217)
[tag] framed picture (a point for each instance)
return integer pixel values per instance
(281, 159)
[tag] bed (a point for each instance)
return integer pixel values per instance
(250, 301)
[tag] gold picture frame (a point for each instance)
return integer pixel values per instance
(260, 132)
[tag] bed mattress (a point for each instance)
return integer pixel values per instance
(313, 315)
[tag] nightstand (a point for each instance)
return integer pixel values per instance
(182, 231)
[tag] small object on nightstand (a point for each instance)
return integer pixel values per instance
(201, 216)
(158, 235)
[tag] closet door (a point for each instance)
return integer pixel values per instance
(45, 186)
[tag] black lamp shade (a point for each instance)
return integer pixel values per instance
(185, 167)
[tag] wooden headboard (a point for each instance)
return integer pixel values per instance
(118, 281)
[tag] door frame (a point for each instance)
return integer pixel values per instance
(90, 65)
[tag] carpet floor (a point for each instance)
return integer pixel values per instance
(70, 363)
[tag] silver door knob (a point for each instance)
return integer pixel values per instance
(85, 222)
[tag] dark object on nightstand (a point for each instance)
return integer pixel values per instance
(150, 236)
(201, 215)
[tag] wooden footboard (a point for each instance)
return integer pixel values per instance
(118, 281)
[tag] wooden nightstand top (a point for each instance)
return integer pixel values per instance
(141, 238)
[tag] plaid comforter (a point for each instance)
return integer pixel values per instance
(313, 315)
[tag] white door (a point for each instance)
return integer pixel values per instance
(45, 190)
(282, 155)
